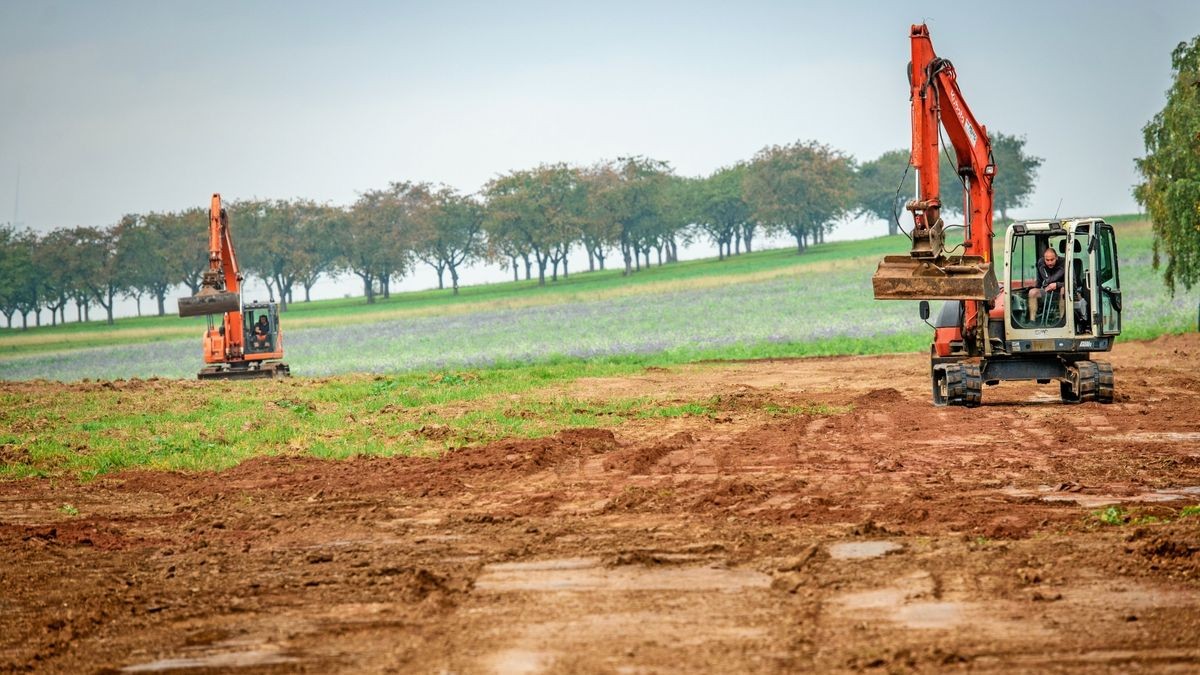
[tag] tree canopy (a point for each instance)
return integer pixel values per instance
(802, 188)
(1170, 189)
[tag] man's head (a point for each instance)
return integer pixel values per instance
(1050, 257)
(263, 319)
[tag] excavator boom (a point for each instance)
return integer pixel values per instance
(929, 272)
(220, 286)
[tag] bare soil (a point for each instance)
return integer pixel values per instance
(827, 518)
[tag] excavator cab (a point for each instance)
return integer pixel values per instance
(1085, 312)
(261, 321)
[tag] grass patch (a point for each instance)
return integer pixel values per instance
(91, 429)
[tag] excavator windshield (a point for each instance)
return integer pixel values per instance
(1038, 285)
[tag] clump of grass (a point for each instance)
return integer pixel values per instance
(68, 510)
(1113, 515)
(1189, 511)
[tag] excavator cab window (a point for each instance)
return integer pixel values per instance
(1108, 280)
(261, 330)
(1080, 272)
(1039, 309)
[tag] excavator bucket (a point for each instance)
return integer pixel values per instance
(903, 277)
(209, 301)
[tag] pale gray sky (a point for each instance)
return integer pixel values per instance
(116, 107)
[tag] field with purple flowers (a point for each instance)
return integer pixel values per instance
(766, 304)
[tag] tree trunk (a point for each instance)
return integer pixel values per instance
(368, 287)
(385, 285)
(541, 265)
(659, 251)
(441, 272)
(554, 269)
(454, 278)
(283, 291)
(748, 235)
(625, 253)
(24, 320)
(138, 301)
(564, 267)
(591, 258)
(516, 270)
(108, 309)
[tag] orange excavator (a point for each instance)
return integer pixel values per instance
(1060, 300)
(248, 343)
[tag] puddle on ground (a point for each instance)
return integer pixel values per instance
(588, 574)
(227, 660)
(930, 614)
(911, 603)
(1050, 494)
(1152, 436)
(860, 550)
(520, 662)
(903, 605)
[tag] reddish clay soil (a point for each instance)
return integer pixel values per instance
(828, 518)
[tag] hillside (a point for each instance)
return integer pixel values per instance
(768, 303)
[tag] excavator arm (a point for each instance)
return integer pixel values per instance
(220, 286)
(930, 272)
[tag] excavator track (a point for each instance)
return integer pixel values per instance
(245, 372)
(1090, 381)
(957, 384)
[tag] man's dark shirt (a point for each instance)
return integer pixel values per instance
(261, 330)
(1050, 276)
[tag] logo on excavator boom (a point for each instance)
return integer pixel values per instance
(962, 117)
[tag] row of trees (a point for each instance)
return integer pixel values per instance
(529, 221)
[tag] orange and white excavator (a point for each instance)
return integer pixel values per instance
(1060, 300)
(248, 343)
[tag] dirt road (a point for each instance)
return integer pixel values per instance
(827, 518)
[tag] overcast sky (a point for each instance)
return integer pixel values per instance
(118, 107)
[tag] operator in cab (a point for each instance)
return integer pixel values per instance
(262, 332)
(1051, 274)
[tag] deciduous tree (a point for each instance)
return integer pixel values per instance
(1170, 187)
(802, 188)
(449, 233)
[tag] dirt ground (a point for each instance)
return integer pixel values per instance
(828, 518)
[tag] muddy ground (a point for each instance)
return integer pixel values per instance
(827, 518)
